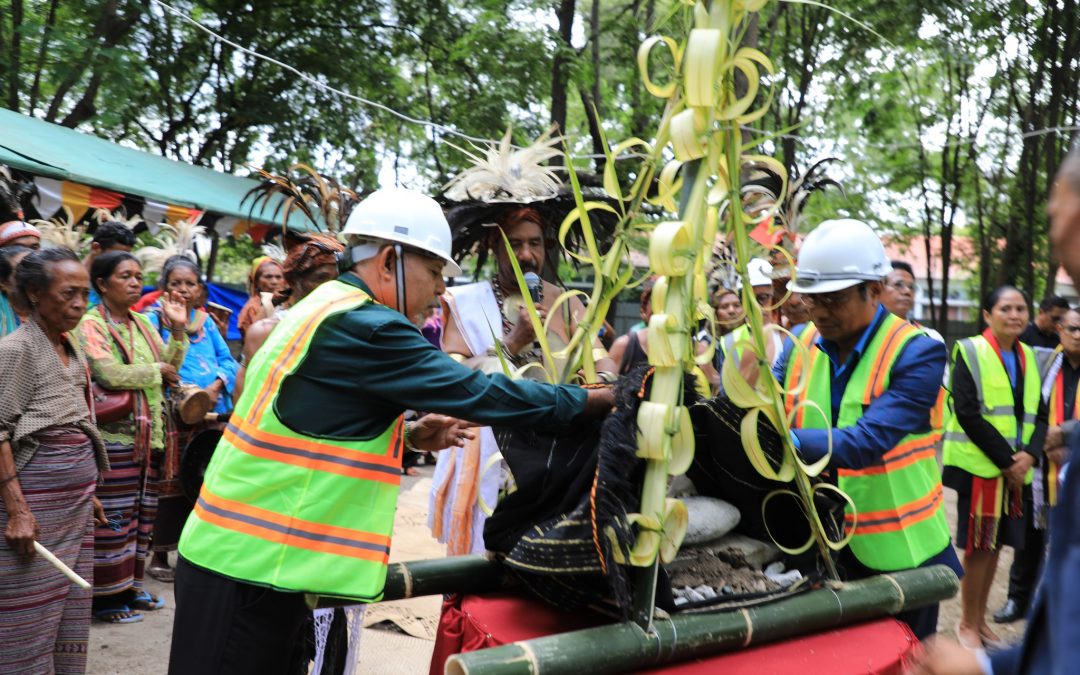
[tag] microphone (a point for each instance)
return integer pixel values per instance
(532, 281)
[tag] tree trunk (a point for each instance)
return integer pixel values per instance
(560, 69)
(15, 65)
(35, 88)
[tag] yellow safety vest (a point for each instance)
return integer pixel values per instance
(282, 509)
(899, 517)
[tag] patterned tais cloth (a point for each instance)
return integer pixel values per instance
(44, 618)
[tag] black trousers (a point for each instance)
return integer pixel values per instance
(1027, 561)
(227, 627)
(922, 622)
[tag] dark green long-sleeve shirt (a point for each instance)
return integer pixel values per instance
(365, 367)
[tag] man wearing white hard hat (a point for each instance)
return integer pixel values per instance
(877, 377)
(301, 491)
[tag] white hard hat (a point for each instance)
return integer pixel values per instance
(760, 273)
(839, 254)
(405, 217)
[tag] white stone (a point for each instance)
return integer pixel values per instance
(709, 519)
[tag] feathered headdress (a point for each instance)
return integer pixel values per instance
(119, 216)
(321, 199)
(503, 179)
(13, 193)
(762, 193)
(172, 240)
(64, 231)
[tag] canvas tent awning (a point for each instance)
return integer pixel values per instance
(82, 160)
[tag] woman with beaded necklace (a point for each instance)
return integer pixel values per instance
(126, 353)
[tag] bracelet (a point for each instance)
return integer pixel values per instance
(5, 481)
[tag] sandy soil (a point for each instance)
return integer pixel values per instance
(143, 648)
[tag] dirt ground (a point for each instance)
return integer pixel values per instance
(143, 648)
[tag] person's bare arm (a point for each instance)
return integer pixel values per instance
(453, 342)
(618, 350)
(22, 527)
(254, 338)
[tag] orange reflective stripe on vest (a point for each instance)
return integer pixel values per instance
(894, 520)
(293, 351)
(905, 454)
(875, 384)
(310, 455)
(291, 531)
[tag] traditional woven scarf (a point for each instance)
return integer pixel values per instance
(141, 403)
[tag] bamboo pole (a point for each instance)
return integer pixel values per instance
(459, 574)
(626, 647)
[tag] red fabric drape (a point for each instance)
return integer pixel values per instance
(473, 622)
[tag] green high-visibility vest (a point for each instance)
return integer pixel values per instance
(290, 511)
(996, 400)
(899, 516)
(727, 342)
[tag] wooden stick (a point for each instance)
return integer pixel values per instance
(58, 564)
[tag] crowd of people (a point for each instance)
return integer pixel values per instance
(96, 410)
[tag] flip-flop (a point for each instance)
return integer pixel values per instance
(114, 615)
(147, 602)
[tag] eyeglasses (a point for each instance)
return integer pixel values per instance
(1071, 330)
(903, 286)
(827, 300)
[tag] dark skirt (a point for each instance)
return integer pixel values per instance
(44, 618)
(1010, 529)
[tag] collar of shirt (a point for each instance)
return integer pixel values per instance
(353, 280)
(833, 352)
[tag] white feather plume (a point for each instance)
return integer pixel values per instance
(506, 174)
(64, 231)
(178, 239)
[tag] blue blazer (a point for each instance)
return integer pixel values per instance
(1051, 642)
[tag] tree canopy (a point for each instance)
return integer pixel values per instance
(950, 117)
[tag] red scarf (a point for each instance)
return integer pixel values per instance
(988, 495)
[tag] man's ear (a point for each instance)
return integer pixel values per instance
(389, 259)
(875, 288)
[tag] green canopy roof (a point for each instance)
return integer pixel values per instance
(47, 149)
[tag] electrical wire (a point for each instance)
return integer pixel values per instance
(476, 139)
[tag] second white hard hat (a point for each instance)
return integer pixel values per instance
(760, 273)
(839, 254)
(405, 217)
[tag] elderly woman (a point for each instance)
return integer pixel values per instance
(10, 256)
(50, 456)
(208, 365)
(127, 353)
(267, 276)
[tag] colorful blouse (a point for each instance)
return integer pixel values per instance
(208, 357)
(109, 370)
(9, 320)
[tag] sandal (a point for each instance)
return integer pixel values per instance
(164, 574)
(121, 614)
(147, 602)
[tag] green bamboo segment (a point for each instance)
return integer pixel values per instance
(626, 647)
(459, 574)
